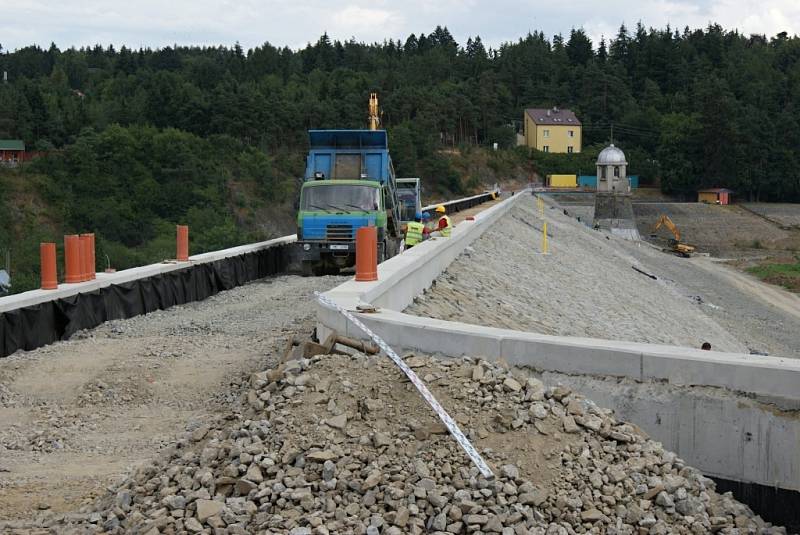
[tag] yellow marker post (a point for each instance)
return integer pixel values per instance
(544, 239)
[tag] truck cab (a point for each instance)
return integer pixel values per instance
(349, 183)
(409, 195)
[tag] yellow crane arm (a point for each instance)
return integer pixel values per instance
(667, 222)
(374, 116)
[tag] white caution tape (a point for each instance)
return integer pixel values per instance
(451, 425)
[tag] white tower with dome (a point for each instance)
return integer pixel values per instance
(613, 210)
(612, 171)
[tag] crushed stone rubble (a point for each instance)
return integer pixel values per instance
(345, 444)
(585, 287)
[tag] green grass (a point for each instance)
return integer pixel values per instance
(786, 275)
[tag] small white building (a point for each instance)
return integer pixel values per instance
(612, 171)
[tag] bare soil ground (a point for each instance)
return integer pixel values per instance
(78, 415)
(722, 231)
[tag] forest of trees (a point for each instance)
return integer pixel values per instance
(137, 139)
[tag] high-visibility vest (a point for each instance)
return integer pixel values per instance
(413, 233)
(446, 230)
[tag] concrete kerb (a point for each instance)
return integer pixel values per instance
(404, 277)
(35, 297)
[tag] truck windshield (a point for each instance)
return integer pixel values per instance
(343, 197)
(408, 204)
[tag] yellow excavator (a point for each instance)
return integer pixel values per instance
(675, 246)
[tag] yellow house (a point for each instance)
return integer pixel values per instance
(552, 130)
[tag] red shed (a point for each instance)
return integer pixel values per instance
(715, 196)
(12, 151)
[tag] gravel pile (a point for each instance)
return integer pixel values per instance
(341, 444)
(78, 415)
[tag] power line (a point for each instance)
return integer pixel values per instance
(607, 124)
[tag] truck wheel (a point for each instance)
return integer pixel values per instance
(307, 269)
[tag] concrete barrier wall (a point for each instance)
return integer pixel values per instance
(35, 297)
(726, 434)
(462, 204)
(771, 378)
(733, 437)
(57, 315)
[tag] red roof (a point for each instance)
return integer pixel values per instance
(552, 116)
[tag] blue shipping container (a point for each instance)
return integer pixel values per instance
(590, 181)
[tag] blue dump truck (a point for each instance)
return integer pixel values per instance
(349, 183)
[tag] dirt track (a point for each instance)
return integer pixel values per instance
(77, 415)
(772, 295)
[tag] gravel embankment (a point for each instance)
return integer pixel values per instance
(787, 214)
(722, 231)
(78, 415)
(585, 287)
(345, 444)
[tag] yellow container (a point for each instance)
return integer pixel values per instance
(563, 181)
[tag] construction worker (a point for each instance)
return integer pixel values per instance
(444, 226)
(415, 231)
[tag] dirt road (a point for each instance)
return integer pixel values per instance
(786, 301)
(79, 414)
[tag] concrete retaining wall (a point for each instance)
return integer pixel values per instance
(725, 434)
(773, 379)
(35, 297)
(736, 439)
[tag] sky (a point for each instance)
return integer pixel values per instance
(294, 23)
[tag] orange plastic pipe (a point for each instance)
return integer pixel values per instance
(47, 252)
(90, 257)
(72, 258)
(183, 243)
(367, 254)
(84, 244)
